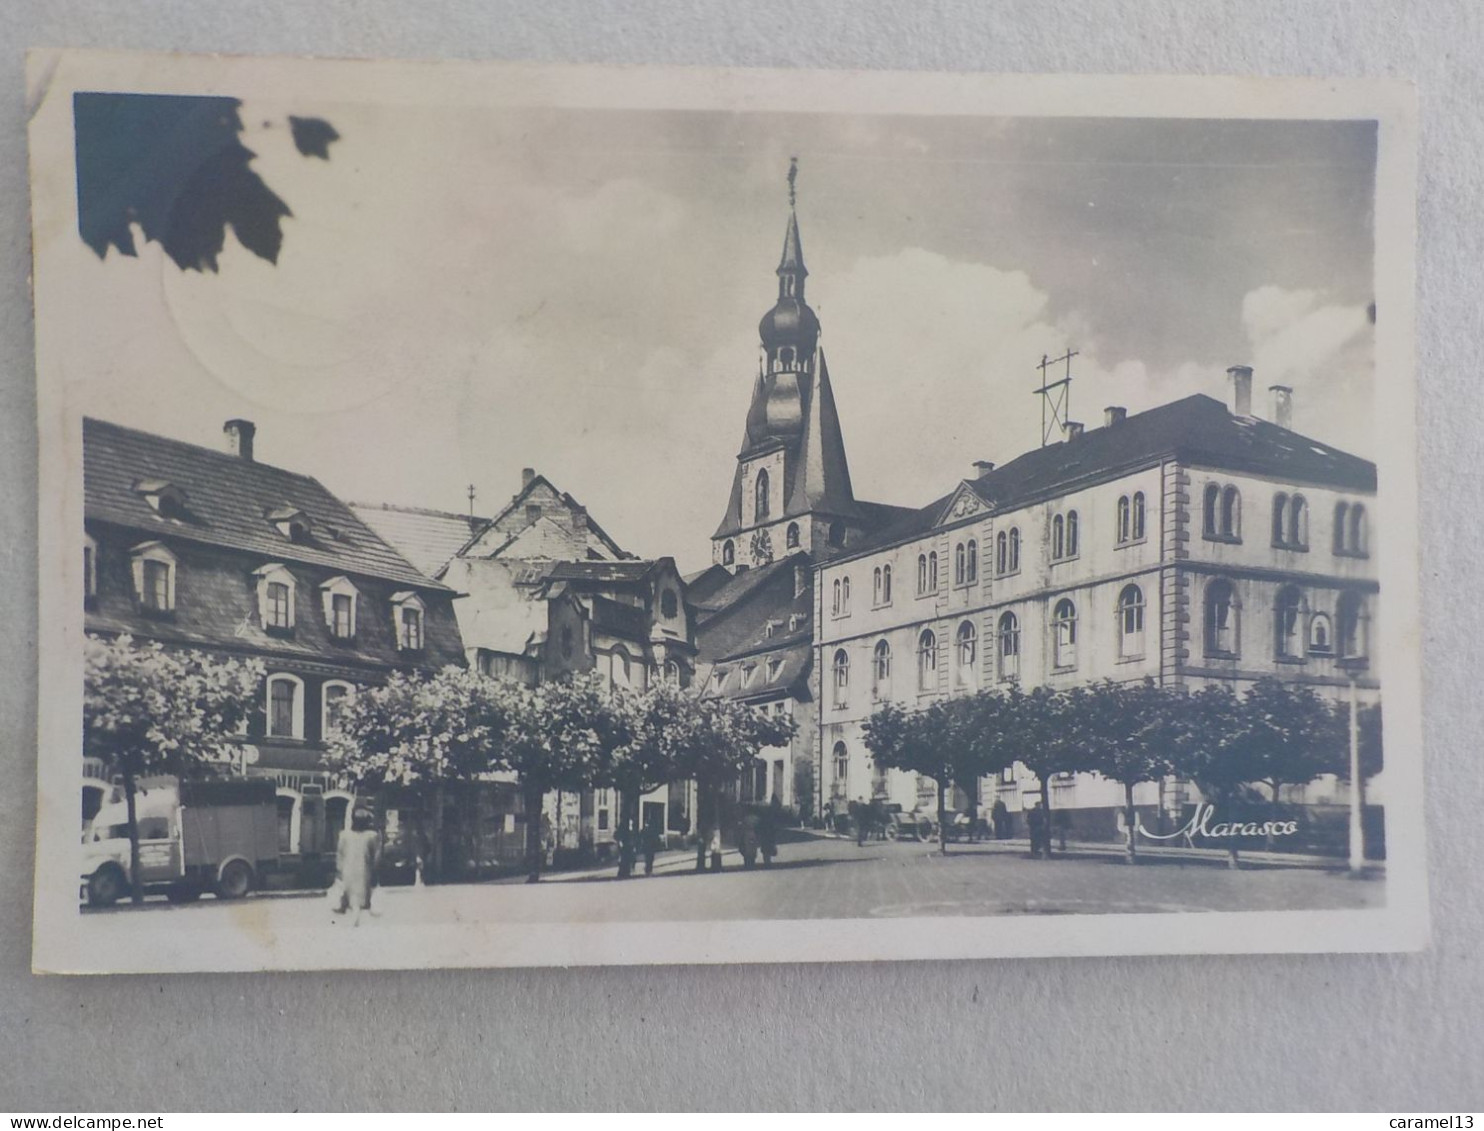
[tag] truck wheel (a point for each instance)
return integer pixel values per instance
(236, 880)
(105, 887)
(183, 893)
(892, 832)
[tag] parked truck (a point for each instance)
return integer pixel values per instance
(216, 835)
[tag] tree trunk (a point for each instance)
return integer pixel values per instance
(1046, 809)
(942, 819)
(703, 827)
(1129, 819)
(1275, 785)
(437, 848)
(136, 883)
(715, 837)
(535, 852)
(627, 803)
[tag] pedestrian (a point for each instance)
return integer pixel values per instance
(768, 831)
(356, 856)
(1040, 831)
(858, 819)
(651, 845)
(747, 839)
(829, 817)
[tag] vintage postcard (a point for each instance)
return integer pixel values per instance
(509, 515)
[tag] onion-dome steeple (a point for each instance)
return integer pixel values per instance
(790, 331)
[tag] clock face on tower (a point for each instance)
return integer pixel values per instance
(762, 548)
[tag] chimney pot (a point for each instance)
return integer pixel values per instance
(1282, 405)
(526, 475)
(1114, 414)
(240, 434)
(1074, 429)
(1241, 376)
(983, 467)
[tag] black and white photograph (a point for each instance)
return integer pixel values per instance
(507, 515)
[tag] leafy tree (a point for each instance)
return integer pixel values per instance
(1129, 733)
(1291, 734)
(712, 746)
(1048, 741)
(424, 733)
(557, 738)
(149, 710)
(1212, 749)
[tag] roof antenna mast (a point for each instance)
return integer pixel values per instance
(1056, 396)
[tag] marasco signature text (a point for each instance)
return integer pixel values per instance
(1200, 825)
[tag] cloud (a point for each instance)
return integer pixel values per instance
(1294, 337)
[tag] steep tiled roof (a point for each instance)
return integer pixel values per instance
(627, 570)
(1197, 430)
(227, 501)
(765, 673)
(427, 538)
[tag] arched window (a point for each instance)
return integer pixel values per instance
(958, 564)
(1350, 626)
(927, 661)
(1321, 635)
(760, 497)
(876, 586)
(1015, 549)
(1058, 537)
(1221, 619)
(1280, 518)
(1298, 523)
(1287, 617)
(619, 668)
(1064, 634)
(886, 585)
(881, 670)
(786, 354)
(837, 534)
(845, 596)
(1342, 528)
(672, 672)
(728, 553)
(922, 573)
(933, 571)
(285, 706)
(1009, 646)
(971, 566)
(842, 769)
(1138, 516)
(1358, 530)
(1125, 519)
(835, 598)
(1001, 553)
(792, 537)
(1231, 513)
(967, 639)
(1071, 534)
(335, 696)
(841, 669)
(1131, 622)
(1211, 511)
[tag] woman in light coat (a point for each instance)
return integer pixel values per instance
(356, 857)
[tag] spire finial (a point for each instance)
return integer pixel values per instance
(793, 175)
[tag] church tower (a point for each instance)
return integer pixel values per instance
(791, 492)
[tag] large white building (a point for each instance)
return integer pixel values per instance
(1190, 543)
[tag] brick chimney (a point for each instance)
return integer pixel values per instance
(526, 475)
(240, 435)
(983, 467)
(1282, 405)
(1241, 376)
(1074, 429)
(1114, 414)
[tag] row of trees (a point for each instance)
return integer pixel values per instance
(1276, 734)
(434, 733)
(150, 710)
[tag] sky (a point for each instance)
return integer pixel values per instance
(462, 293)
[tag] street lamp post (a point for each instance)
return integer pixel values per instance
(1357, 837)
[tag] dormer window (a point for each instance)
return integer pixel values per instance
(154, 576)
(275, 598)
(719, 678)
(775, 665)
(292, 523)
(340, 599)
(407, 612)
(163, 497)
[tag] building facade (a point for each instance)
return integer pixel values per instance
(211, 550)
(1189, 544)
